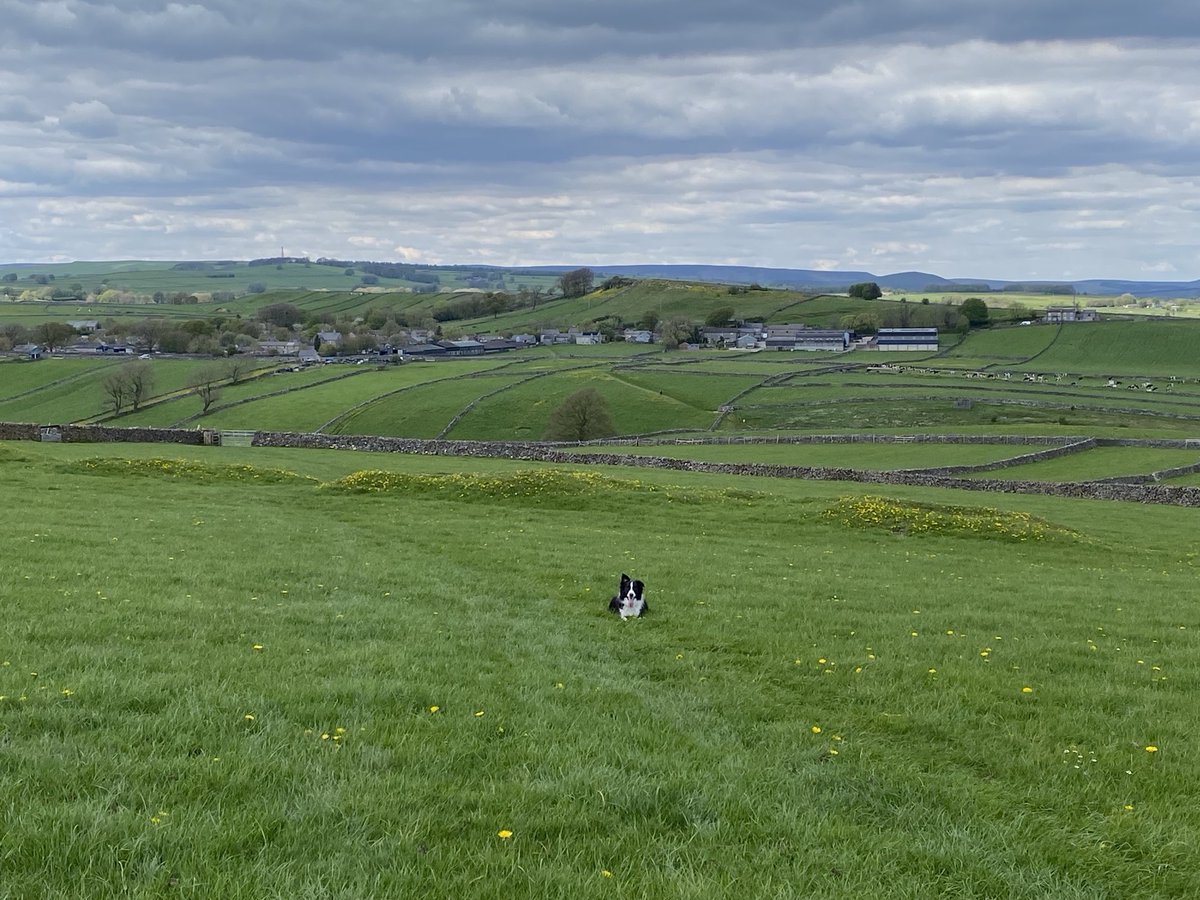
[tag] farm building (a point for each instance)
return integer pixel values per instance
(907, 339)
(464, 347)
(30, 351)
(1070, 314)
(809, 339)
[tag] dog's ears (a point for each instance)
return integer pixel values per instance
(624, 578)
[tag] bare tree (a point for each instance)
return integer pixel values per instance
(206, 383)
(140, 378)
(237, 369)
(116, 388)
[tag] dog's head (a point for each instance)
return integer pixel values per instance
(630, 599)
(631, 590)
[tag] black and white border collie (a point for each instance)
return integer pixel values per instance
(630, 599)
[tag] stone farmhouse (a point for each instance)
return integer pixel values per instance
(1055, 314)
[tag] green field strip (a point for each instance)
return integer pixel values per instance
(305, 409)
(184, 410)
(1182, 402)
(707, 392)
(1101, 462)
(20, 379)
(437, 372)
(523, 411)
(875, 457)
(80, 398)
(1148, 348)
(993, 346)
(421, 410)
(903, 414)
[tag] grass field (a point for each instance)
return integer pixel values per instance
(880, 457)
(220, 678)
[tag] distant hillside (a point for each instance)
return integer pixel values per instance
(289, 273)
(818, 279)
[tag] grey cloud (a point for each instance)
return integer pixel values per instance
(912, 134)
(526, 30)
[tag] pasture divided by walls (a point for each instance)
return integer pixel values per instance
(1097, 490)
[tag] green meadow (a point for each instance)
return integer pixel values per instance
(263, 673)
(250, 672)
(1112, 378)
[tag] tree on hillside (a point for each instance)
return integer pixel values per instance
(147, 334)
(281, 314)
(975, 310)
(861, 323)
(866, 290)
(676, 331)
(237, 369)
(206, 383)
(577, 282)
(723, 315)
(650, 319)
(583, 416)
(116, 388)
(53, 334)
(140, 378)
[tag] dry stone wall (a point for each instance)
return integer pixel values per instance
(1093, 490)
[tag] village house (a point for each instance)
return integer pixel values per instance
(333, 338)
(279, 348)
(1056, 314)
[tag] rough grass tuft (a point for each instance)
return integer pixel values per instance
(542, 485)
(906, 517)
(183, 470)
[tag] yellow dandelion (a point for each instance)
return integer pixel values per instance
(257, 647)
(1151, 749)
(1129, 806)
(325, 736)
(816, 729)
(1027, 690)
(478, 713)
(67, 692)
(434, 709)
(833, 751)
(249, 717)
(504, 834)
(605, 873)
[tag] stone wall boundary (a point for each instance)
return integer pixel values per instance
(1134, 493)
(536, 452)
(1012, 461)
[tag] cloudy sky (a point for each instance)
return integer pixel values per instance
(1011, 139)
